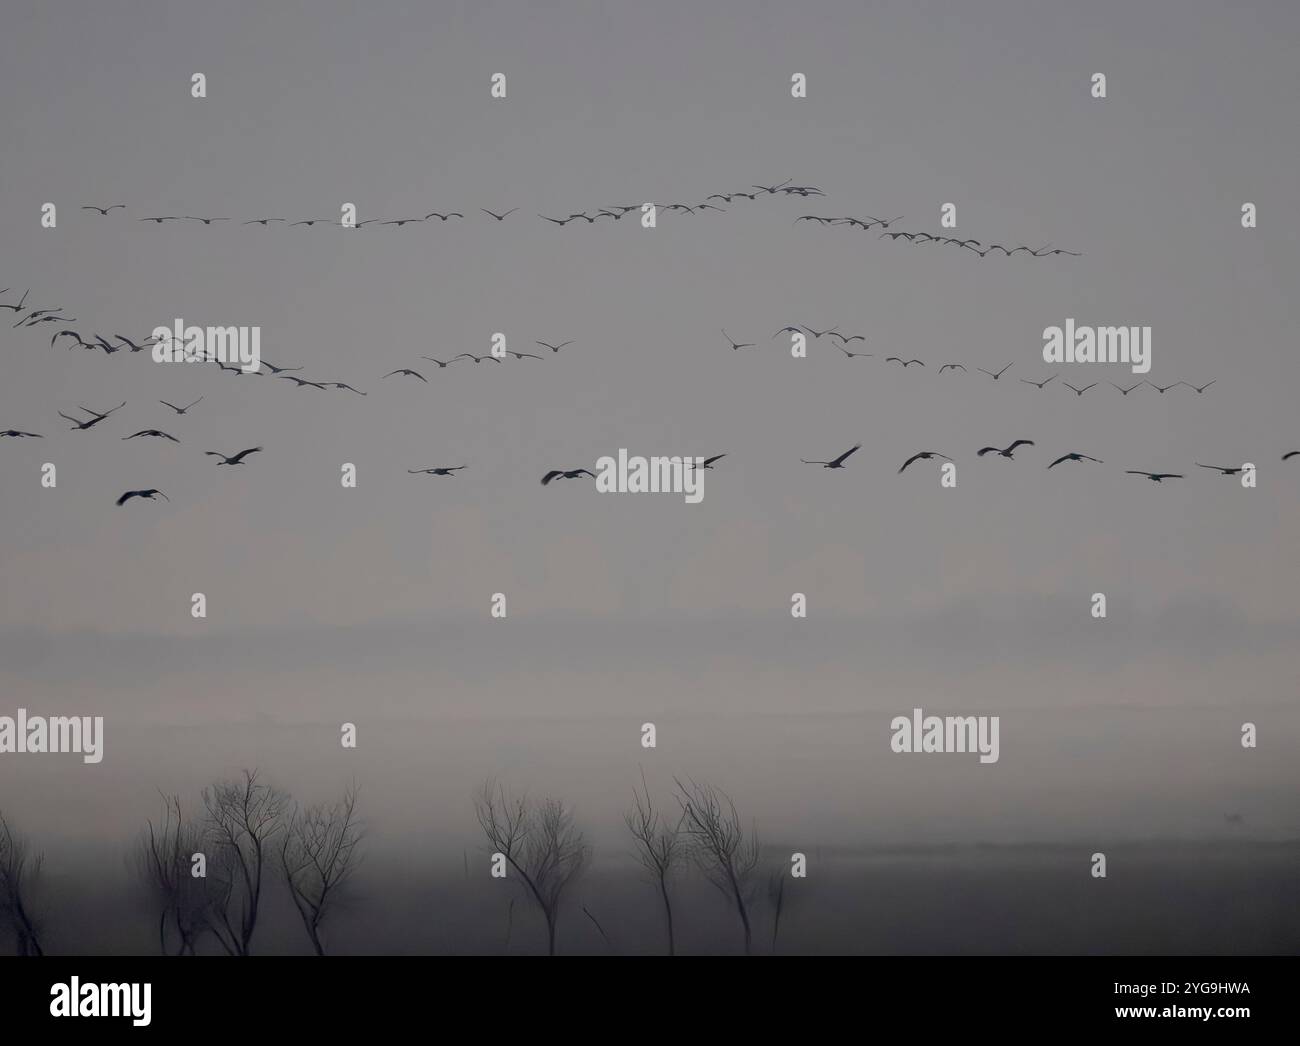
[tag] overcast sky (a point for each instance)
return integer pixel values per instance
(372, 605)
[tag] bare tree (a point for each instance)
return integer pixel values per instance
(17, 881)
(724, 853)
(776, 894)
(539, 841)
(659, 847)
(243, 817)
(163, 860)
(318, 856)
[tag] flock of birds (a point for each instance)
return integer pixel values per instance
(616, 212)
(39, 317)
(845, 340)
(1009, 452)
(613, 212)
(868, 222)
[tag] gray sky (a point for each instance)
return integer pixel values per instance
(372, 604)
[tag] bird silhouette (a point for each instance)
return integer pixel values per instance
(105, 210)
(1039, 384)
(553, 348)
(1201, 388)
(407, 371)
(152, 432)
(737, 344)
(1165, 388)
(16, 434)
(1073, 456)
(953, 366)
(1233, 471)
(237, 459)
(834, 463)
(999, 374)
(566, 474)
(1077, 392)
(180, 410)
(899, 359)
(707, 463)
(150, 494)
(1005, 452)
(1155, 477)
(95, 419)
(1290, 454)
(444, 470)
(443, 217)
(499, 217)
(1126, 391)
(924, 455)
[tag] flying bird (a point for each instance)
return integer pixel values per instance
(818, 334)
(522, 355)
(553, 348)
(566, 474)
(408, 371)
(952, 366)
(152, 432)
(925, 455)
(999, 374)
(441, 217)
(899, 359)
(440, 363)
(1200, 388)
(737, 344)
(1077, 392)
(851, 354)
(300, 381)
(1219, 468)
(1126, 391)
(237, 459)
(16, 434)
(105, 210)
(477, 359)
(342, 385)
(1155, 477)
(1166, 388)
(834, 463)
(1073, 456)
(150, 494)
(263, 221)
(277, 370)
(1040, 384)
(845, 340)
(447, 470)
(19, 306)
(180, 410)
(499, 217)
(95, 419)
(707, 463)
(1005, 452)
